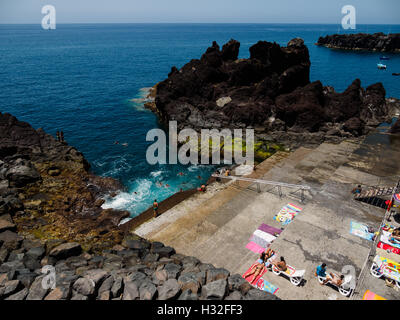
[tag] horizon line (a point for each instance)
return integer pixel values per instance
(266, 23)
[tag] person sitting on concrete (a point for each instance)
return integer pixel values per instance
(269, 253)
(357, 190)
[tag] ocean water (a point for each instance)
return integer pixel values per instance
(89, 81)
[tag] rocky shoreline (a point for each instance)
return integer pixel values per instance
(47, 190)
(52, 224)
(378, 42)
(270, 92)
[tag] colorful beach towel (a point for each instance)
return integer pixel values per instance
(256, 248)
(264, 285)
(247, 278)
(388, 247)
(294, 207)
(361, 231)
(369, 295)
(287, 214)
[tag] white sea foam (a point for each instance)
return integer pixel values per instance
(156, 174)
(141, 98)
(133, 201)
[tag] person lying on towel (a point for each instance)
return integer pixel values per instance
(257, 269)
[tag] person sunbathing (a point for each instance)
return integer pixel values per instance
(396, 234)
(257, 269)
(269, 253)
(335, 279)
(280, 265)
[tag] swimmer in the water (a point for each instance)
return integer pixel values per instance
(199, 177)
(167, 185)
(116, 142)
(180, 174)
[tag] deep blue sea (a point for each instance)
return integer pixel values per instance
(88, 81)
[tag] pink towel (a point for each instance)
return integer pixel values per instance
(255, 247)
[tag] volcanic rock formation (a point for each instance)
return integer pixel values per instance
(270, 91)
(362, 41)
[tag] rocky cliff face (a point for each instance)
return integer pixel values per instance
(362, 41)
(270, 91)
(46, 189)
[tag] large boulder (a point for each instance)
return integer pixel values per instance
(217, 274)
(21, 172)
(37, 291)
(66, 250)
(84, 286)
(169, 290)
(131, 291)
(215, 290)
(189, 281)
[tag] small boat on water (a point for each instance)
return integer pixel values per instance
(395, 74)
(381, 66)
(384, 58)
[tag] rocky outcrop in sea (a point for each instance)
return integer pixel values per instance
(362, 41)
(270, 92)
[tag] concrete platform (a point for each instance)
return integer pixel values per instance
(216, 228)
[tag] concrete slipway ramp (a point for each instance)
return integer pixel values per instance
(216, 226)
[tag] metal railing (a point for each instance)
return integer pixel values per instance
(275, 184)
